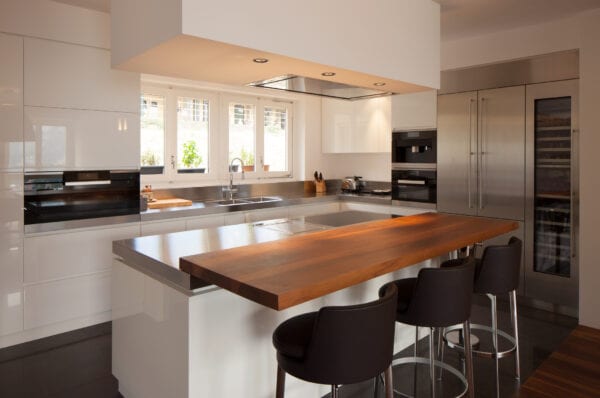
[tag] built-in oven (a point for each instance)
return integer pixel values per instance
(416, 149)
(414, 187)
(53, 197)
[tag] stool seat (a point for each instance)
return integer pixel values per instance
(338, 345)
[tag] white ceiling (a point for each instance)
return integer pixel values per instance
(464, 18)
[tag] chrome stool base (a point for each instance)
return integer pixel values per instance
(452, 341)
(436, 363)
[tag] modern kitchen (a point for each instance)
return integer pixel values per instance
(180, 183)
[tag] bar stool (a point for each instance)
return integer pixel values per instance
(496, 273)
(338, 345)
(437, 298)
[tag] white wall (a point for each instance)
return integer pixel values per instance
(583, 32)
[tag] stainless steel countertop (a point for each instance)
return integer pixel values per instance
(158, 255)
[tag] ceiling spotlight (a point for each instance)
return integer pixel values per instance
(379, 84)
(260, 60)
(328, 74)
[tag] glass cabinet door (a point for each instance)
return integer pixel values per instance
(552, 196)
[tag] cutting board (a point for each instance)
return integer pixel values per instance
(173, 202)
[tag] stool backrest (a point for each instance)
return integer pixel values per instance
(442, 296)
(353, 343)
(499, 269)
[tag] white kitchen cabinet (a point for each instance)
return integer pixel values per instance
(65, 254)
(71, 139)
(414, 111)
(313, 209)
(163, 226)
(66, 299)
(216, 220)
(11, 103)
(11, 252)
(61, 75)
(361, 126)
(237, 217)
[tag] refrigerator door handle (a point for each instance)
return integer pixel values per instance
(481, 153)
(471, 153)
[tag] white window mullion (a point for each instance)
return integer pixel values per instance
(260, 139)
(171, 142)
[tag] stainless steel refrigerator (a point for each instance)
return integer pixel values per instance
(511, 153)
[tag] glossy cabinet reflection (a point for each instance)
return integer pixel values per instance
(414, 111)
(11, 252)
(11, 103)
(66, 139)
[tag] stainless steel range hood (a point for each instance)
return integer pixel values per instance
(323, 88)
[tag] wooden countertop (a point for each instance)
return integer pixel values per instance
(291, 271)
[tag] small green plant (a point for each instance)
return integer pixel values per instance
(247, 157)
(191, 158)
(149, 158)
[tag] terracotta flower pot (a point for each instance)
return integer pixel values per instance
(248, 168)
(266, 167)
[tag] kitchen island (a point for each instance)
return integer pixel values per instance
(197, 340)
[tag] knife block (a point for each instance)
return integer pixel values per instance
(320, 187)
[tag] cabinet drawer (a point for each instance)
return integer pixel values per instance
(67, 254)
(57, 301)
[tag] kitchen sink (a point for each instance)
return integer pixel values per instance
(246, 201)
(262, 199)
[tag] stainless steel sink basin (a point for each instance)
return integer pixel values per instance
(262, 199)
(231, 202)
(246, 201)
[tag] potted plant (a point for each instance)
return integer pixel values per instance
(149, 163)
(191, 159)
(248, 159)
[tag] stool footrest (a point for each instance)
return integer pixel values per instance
(426, 361)
(481, 353)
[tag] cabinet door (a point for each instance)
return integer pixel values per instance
(205, 222)
(11, 103)
(11, 252)
(457, 153)
(67, 139)
(61, 75)
(361, 126)
(163, 227)
(502, 153)
(267, 214)
(414, 111)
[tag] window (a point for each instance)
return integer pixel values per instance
(192, 135)
(259, 135)
(152, 133)
(182, 139)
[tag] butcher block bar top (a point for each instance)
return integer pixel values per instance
(288, 272)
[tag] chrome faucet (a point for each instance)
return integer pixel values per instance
(230, 189)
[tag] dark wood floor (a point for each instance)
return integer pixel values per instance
(573, 370)
(78, 364)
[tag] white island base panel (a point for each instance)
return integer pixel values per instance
(213, 344)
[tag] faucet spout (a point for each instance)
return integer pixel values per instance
(230, 189)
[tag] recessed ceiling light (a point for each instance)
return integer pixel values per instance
(379, 84)
(328, 74)
(260, 60)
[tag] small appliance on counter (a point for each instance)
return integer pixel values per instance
(353, 184)
(75, 195)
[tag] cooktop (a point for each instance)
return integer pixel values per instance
(346, 218)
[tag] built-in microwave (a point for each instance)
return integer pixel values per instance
(414, 149)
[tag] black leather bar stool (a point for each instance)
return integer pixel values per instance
(338, 345)
(497, 272)
(437, 298)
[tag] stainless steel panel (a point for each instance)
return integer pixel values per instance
(558, 290)
(457, 140)
(501, 148)
(562, 65)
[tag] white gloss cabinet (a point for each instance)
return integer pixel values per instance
(62, 75)
(58, 255)
(414, 111)
(70, 139)
(11, 253)
(11, 103)
(361, 126)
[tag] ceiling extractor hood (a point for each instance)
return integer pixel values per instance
(323, 88)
